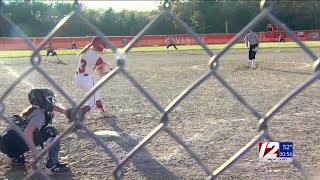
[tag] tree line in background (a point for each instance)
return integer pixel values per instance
(37, 18)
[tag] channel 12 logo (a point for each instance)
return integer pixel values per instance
(275, 151)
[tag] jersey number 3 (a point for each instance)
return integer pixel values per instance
(83, 65)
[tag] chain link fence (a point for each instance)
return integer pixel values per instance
(36, 60)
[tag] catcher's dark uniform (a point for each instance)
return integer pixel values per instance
(13, 145)
(40, 114)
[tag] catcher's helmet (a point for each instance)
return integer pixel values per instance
(44, 98)
(98, 43)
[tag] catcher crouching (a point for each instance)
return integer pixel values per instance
(36, 124)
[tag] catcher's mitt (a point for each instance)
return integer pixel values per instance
(74, 116)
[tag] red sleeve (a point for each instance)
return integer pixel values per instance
(99, 62)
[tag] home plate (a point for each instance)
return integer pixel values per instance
(106, 134)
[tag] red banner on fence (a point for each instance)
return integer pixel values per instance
(157, 40)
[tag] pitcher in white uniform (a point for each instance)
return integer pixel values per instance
(89, 62)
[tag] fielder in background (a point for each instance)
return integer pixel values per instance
(252, 39)
(171, 42)
(36, 124)
(89, 62)
(281, 38)
(73, 45)
(50, 50)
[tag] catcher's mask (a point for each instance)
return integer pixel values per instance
(44, 98)
(98, 43)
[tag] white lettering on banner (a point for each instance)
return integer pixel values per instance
(178, 40)
(184, 39)
(165, 40)
(188, 40)
(313, 35)
(203, 38)
(300, 33)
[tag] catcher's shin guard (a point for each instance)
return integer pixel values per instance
(49, 132)
(3, 147)
(12, 144)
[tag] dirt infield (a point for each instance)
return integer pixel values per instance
(211, 120)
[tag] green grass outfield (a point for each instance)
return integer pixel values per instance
(28, 53)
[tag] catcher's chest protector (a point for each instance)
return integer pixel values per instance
(22, 121)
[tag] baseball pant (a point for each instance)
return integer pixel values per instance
(14, 146)
(86, 83)
(172, 45)
(252, 54)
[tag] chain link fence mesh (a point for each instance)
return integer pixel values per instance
(36, 60)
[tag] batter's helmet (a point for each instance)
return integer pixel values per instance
(98, 43)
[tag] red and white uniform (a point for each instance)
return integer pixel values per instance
(89, 61)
